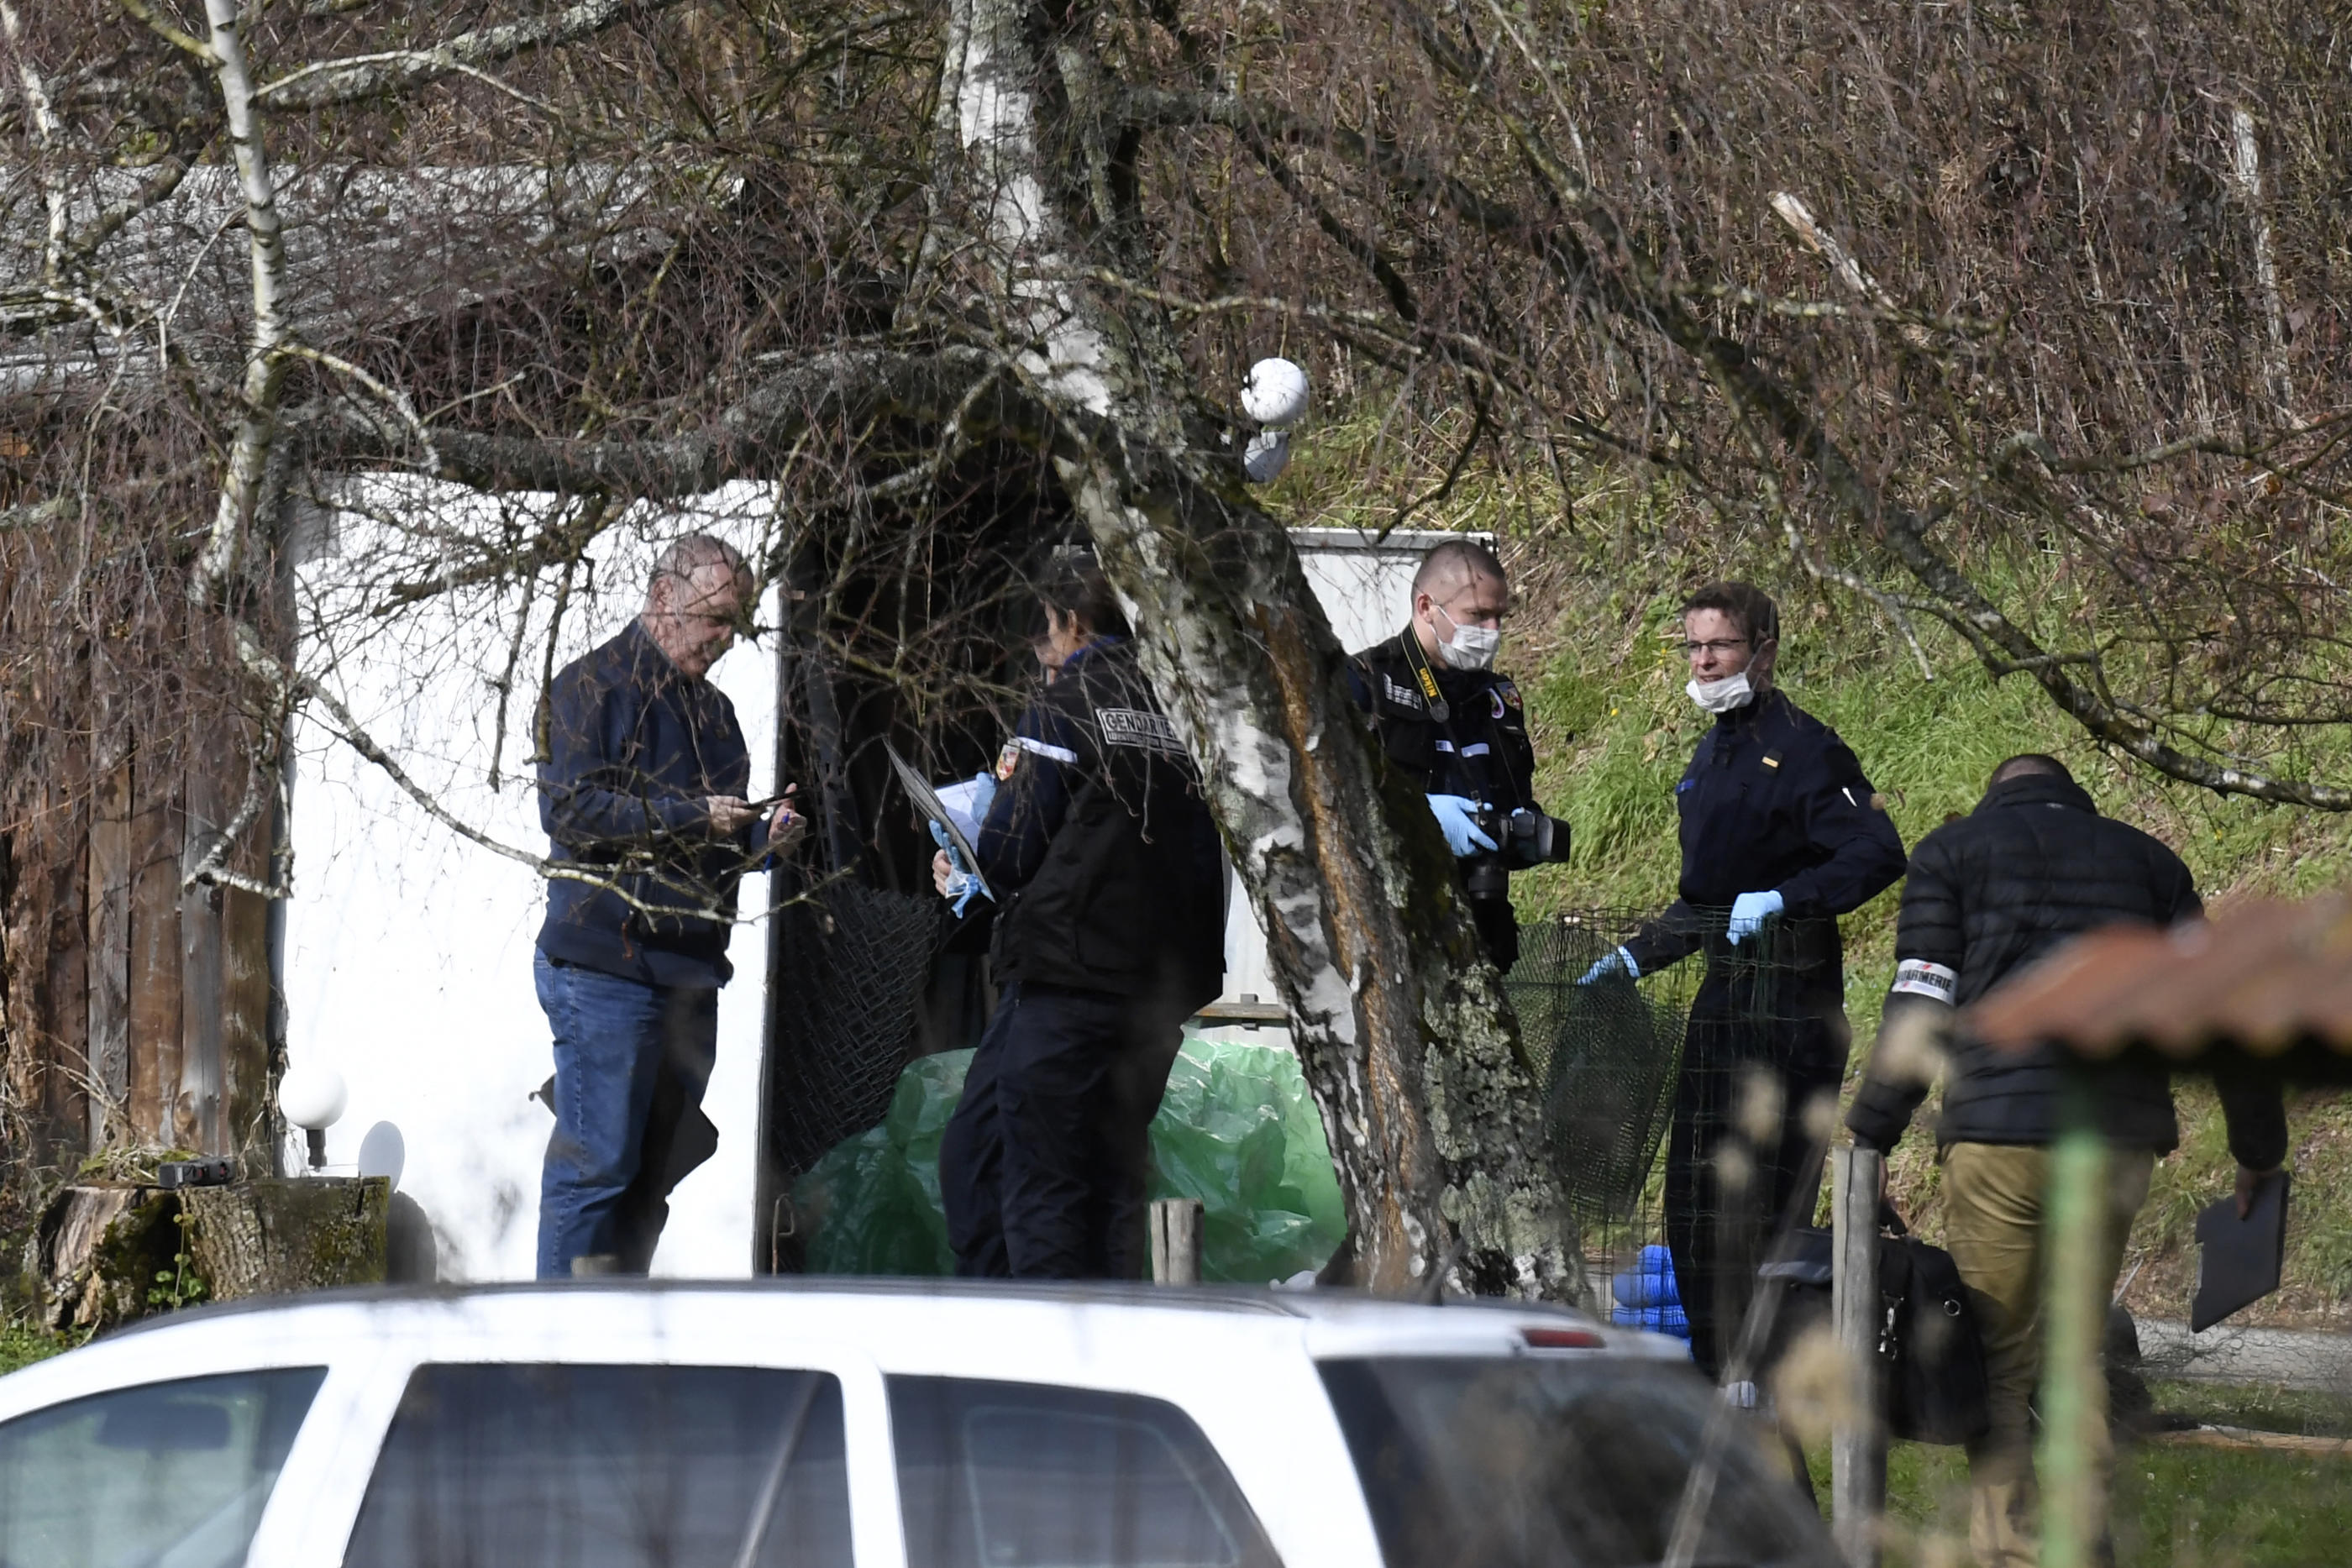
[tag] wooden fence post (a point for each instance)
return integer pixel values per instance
(1176, 1241)
(1857, 1447)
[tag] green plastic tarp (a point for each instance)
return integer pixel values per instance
(1237, 1130)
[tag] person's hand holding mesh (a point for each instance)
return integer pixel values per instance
(1620, 962)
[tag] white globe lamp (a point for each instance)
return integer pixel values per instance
(1275, 393)
(312, 1099)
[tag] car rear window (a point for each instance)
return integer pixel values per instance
(1019, 1475)
(170, 1472)
(1565, 1463)
(609, 1467)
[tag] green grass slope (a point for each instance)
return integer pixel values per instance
(2180, 1506)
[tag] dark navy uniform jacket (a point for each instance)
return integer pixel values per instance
(1773, 801)
(1478, 750)
(1099, 846)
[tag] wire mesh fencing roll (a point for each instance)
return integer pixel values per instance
(853, 966)
(1606, 1054)
(1727, 1046)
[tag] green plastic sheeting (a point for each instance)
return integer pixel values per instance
(1237, 1130)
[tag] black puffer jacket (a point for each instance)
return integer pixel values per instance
(2033, 865)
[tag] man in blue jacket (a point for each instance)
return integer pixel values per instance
(1782, 833)
(640, 791)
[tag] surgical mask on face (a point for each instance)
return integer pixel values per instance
(1720, 696)
(1470, 647)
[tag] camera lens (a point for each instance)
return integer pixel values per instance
(1485, 877)
(1532, 832)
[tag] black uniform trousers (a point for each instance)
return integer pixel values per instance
(1044, 1166)
(1742, 1145)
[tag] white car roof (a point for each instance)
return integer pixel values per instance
(1081, 1334)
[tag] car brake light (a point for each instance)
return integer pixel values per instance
(1562, 1339)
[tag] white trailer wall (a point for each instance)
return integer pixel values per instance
(408, 949)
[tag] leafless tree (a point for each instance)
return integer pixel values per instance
(2026, 322)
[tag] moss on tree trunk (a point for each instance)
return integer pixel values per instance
(107, 1254)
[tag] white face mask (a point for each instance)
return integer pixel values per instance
(1720, 696)
(1470, 647)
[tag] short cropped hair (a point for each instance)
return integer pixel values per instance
(2027, 762)
(1073, 582)
(1749, 607)
(695, 552)
(1454, 561)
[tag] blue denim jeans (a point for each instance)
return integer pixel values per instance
(613, 1039)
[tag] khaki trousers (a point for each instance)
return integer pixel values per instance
(1995, 1198)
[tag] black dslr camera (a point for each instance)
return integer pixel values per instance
(1523, 839)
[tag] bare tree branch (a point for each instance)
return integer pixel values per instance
(46, 129)
(848, 387)
(171, 33)
(393, 72)
(1631, 289)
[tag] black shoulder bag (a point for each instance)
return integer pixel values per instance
(1931, 1361)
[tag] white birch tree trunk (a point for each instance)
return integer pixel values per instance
(266, 360)
(2246, 165)
(1400, 1023)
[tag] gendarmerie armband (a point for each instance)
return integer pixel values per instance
(1919, 978)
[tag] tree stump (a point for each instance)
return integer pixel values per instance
(273, 1237)
(97, 1250)
(109, 1252)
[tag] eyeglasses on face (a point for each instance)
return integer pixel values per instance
(1718, 645)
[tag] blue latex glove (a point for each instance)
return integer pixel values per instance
(1749, 910)
(1462, 835)
(1611, 964)
(963, 885)
(983, 796)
